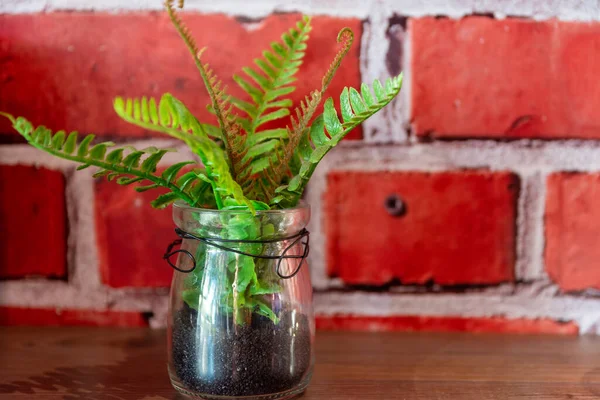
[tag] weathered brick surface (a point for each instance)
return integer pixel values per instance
(33, 222)
(459, 227)
(132, 237)
(511, 78)
(446, 324)
(474, 77)
(572, 230)
(65, 69)
(12, 316)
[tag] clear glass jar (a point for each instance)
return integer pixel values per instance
(236, 328)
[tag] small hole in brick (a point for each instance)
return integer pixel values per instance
(395, 206)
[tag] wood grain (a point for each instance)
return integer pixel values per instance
(97, 364)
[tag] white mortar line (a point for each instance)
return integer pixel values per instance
(374, 48)
(584, 10)
(530, 228)
(406, 90)
(50, 294)
(61, 295)
(40, 293)
(583, 311)
(155, 301)
(84, 271)
(24, 154)
(520, 301)
(522, 156)
(316, 258)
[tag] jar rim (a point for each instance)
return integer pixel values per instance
(301, 206)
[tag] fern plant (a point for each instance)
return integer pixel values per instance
(243, 163)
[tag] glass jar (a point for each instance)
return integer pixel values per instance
(241, 326)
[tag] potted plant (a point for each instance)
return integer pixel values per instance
(241, 322)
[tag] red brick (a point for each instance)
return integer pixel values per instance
(572, 230)
(480, 77)
(459, 227)
(132, 236)
(33, 221)
(11, 316)
(65, 69)
(446, 324)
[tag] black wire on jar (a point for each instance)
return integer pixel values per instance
(215, 242)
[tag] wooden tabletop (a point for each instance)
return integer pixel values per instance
(98, 364)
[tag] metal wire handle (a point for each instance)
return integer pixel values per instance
(212, 241)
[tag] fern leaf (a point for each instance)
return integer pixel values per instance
(70, 143)
(266, 87)
(164, 200)
(270, 178)
(141, 189)
(126, 170)
(58, 140)
(125, 180)
(150, 163)
(171, 172)
(186, 180)
(268, 134)
(82, 150)
(132, 160)
(272, 79)
(327, 130)
(115, 156)
(170, 116)
(367, 95)
(218, 173)
(98, 151)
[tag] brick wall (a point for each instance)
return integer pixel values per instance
(467, 205)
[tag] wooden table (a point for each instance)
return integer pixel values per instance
(95, 364)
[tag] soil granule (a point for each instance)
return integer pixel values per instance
(260, 358)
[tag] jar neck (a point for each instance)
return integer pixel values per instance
(272, 224)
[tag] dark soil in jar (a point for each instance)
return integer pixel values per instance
(260, 358)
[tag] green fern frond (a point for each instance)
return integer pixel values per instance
(266, 154)
(169, 116)
(273, 79)
(270, 83)
(174, 119)
(217, 173)
(126, 165)
(272, 177)
(268, 164)
(327, 130)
